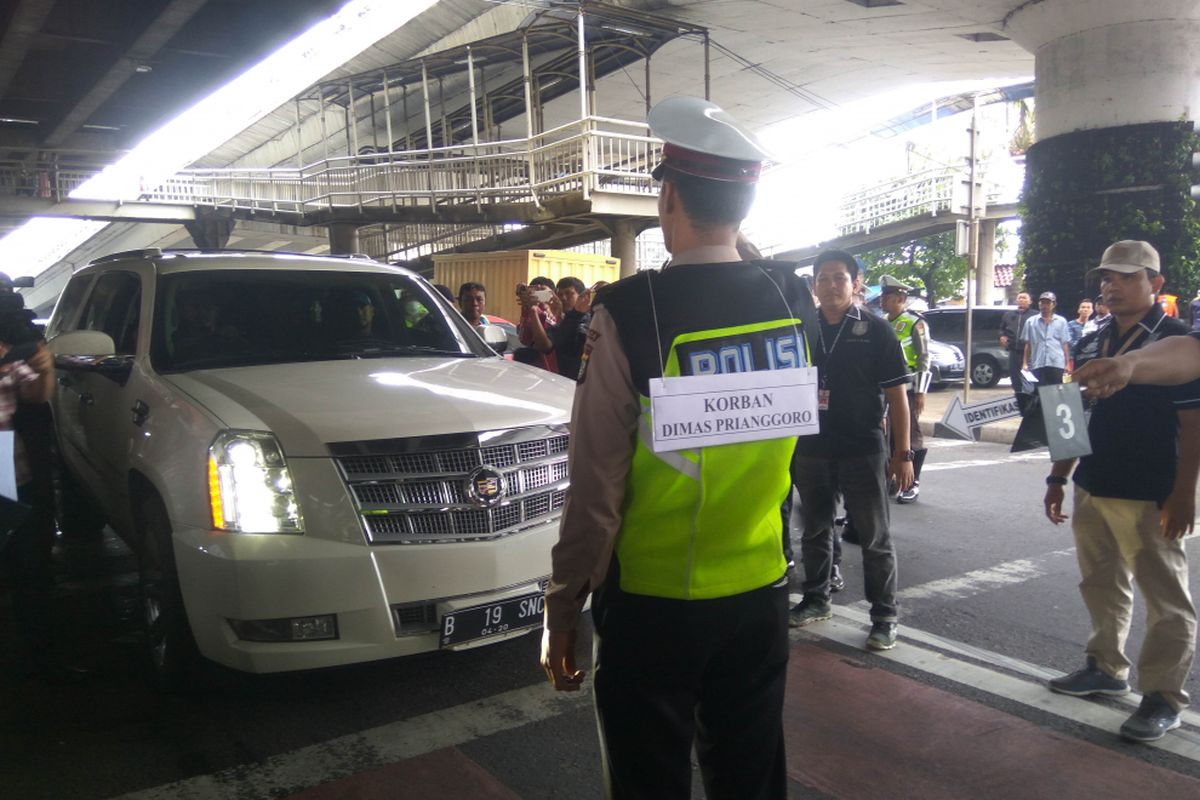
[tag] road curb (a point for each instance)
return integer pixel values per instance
(987, 433)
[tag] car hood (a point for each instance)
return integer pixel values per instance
(943, 353)
(312, 404)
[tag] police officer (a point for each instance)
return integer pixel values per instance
(679, 549)
(914, 340)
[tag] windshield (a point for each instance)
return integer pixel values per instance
(232, 318)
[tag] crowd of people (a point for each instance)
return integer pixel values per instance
(685, 552)
(554, 320)
(679, 549)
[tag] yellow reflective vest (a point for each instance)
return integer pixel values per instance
(706, 523)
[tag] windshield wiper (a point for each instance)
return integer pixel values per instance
(249, 359)
(408, 350)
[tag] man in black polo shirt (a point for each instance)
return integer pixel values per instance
(1134, 503)
(859, 362)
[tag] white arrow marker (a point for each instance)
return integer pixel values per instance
(961, 419)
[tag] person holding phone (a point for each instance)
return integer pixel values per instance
(572, 304)
(536, 320)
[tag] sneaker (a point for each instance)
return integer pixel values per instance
(836, 581)
(1088, 681)
(910, 494)
(808, 611)
(1152, 720)
(882, 636)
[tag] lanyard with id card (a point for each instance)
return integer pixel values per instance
(705, 410)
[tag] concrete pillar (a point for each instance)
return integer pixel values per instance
(1104, 63)
(624, 245)
(985, 289)
(1117, 85)
(210, 232)
(343, 238)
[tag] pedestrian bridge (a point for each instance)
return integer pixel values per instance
(417, 202)
(433, 199)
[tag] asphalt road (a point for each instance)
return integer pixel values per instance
(988, 589)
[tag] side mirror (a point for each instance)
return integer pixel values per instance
(92, 344)
(23, 282)
(495, 336)
(90, 351)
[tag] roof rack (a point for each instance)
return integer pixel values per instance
(144, 253)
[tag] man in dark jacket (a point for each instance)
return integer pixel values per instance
(1011, 327)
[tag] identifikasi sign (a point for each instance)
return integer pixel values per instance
(706, 410)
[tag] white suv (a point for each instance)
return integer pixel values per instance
(316, 460)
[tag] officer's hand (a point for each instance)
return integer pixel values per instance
(918, 405)
(1178, 515)
(900, 472)
(558, 660)
(1004, 341)
(41, 361)
(1053, 503)
(1103, 377)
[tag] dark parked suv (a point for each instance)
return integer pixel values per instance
(989, 361)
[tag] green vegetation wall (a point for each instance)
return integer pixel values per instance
(1085, 190)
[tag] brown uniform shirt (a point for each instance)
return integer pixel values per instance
(604, 422)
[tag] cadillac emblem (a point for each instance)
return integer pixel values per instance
(485, 487)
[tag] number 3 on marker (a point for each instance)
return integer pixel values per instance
(1067, 429)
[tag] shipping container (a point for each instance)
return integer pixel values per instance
(500, 272)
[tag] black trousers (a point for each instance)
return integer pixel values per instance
(27, 566)
(672, 673)
(1015, 357)
(1048, 376)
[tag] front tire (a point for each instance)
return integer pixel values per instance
(985, 372)
(172, 656)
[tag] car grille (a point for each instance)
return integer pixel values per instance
(414, 491)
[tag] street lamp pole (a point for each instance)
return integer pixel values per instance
(972, 243)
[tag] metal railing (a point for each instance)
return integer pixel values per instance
(620, 156)
(930, 192)
(42, 180)
(409, 241)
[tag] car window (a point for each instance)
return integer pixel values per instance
(988, 323)
(113, 308)
(228, 318)
(68, 304)
(944, 327)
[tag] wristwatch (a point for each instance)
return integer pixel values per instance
(905, 455)
(1056, 480)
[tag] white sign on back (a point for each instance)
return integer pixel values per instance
(706, 410)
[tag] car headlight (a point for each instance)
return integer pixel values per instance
(249, 486)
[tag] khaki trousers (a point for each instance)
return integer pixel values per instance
(1116, 540)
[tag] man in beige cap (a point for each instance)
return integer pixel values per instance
(1134, 502)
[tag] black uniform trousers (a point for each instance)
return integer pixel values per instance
(672, 672)
(27, 561)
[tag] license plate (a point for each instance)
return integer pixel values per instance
(492, 619)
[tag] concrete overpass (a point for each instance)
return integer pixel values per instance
(766, 63)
